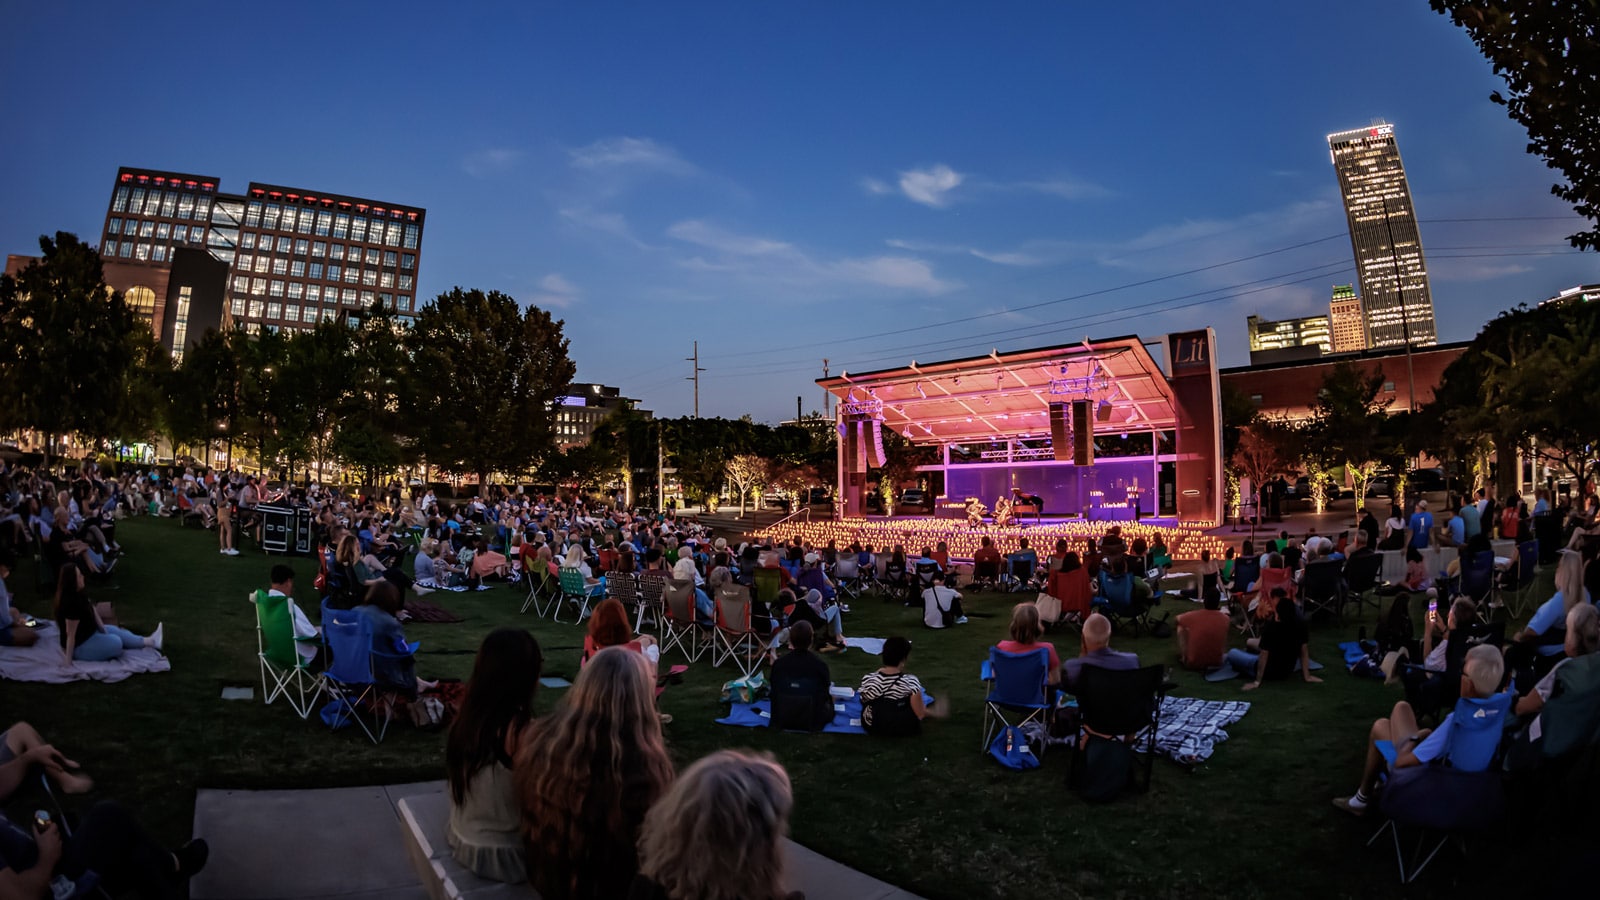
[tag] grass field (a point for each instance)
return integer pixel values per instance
(931, 814)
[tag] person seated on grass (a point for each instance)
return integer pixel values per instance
(1095, 650)
(608, 627)
(84, 637)
(487, 563)
(940, 603)
(484, 830)
(1397, 743)
(361, 572)
(1203, 636)
(824, 620)
(718, 833)
(396, 667)
(801, 663)
(427, 569)
(1025, 633)
(62, 545)
(1281, 650)
(14, 629)
(107, 841)
(891, 698)
(23, 753)
(585, 776)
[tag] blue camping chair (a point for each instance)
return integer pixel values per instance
(1476, 579)
(1018, 687)
(1246, 571)
(1521, 577)
(1116, 602)
(1458, 795)
(347, 637)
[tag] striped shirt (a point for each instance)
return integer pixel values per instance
(891, 687)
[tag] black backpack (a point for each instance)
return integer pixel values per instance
(1396, 631)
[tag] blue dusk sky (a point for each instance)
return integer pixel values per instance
(868, 182)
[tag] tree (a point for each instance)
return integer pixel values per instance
(1346, 424)
(486, 376)
(582, 466)
(1548, 54)
(747, 472)
(371, 422)
(317, 373)
(1261, 451)
(205, 397)
(76, 354)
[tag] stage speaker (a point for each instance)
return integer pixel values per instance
(1102, 412)
(1060, 435)
(1082, 434)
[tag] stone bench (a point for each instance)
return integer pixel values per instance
(423, 818)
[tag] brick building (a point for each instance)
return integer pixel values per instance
(1288, 389)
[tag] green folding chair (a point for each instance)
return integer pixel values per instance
(284, 672)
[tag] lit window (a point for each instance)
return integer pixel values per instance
(324, 222)
(319, 248)
(341, 225)
(280, 266)
(236, 306)
(372, 257)
(269, 217)
(146, 229)
(252, 214)
(152, 204)
(137, 204)
(243, 261)
(169, 204)
(411, 237)
(392, 236)
(1388, 387)
(141, 252)
(241, 283)
(305, 222)
(163, 231)
(181, 233)
(336, 251)
(274, 310)
(369, 277)
(114, 226)
(255, 308)
(386, 280)
(262, 262)
(349, 296)
(408, 260)
(358, 229)
(186, 206)
(366, 299)
(288, 220)
(316, 270)
(119, 202)
(275, 289)
(298, 268)
(296, 289)
(313, 293)
(351, 275)
(291, 313)
(301, 246)
(247, 240)
(258, 286)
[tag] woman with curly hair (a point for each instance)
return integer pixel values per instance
(485, 824)
(586, 774)
(718, 833)
(608, 627)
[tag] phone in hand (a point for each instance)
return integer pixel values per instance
(1433, 608)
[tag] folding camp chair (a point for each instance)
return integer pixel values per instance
(347, 638)
(1122, 703)
(1018, 573)
(926, 573)
(1520, 578)
(284, 672)
(1362, 576)
(1426, 702)
(1442, 802)
(985, 575)
(765, 585)
(652, 587)
(544, 590)
(847, 573)
(1117, 603)
(894, 584)
(574, 589)
(1017, 690)
(735, 638)
(1322, 588)
(624, 588)
(679, 625)
(1476, 578)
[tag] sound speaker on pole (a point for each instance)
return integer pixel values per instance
(1060, 437)
(1102, 412)
(1082, 434)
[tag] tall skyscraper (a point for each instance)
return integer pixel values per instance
(1383, 233)
(1346, 326)
(292, 257)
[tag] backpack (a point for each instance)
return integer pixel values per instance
(892, 717)
(1105, 770)
(1010, 747)
(1395, 631)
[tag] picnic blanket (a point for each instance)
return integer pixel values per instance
(423, 611)
(42, 663)
(1191, 728)
(871, 646)
(846, 714)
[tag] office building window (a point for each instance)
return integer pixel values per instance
(262, 262)
(119, 201)
(256, 307)
(252, 214)
(146, 229)
(236, 306)
(274, 310)
(348, 297)
(298, 268)
(169, 204)
(386, 280)
(341, 225)
(284, 243)
(319, 248)
(305, 222)
(152, 204)
(405, 282)
(243, 261)
(336, 251)
(411, 237)
(328, 313)
(247, 240)
(163, 231)
(405, 301)
(275, 289)
(408, 260)
(369, 277)
(351, 274)
(301, 246)
(372, 256)
(241, 283)
(291, 313)
(366, 299)
(136, 204)
(258, 286)
(358, 229)
(392, 236)
(269, 216)
(186, 206)
(280, 266)
(313, 293)
(141, 252)
(158, 253)
(125, 250)
(333, 272)
(181, 232)
(288, 220)
(296, 290)
(324, 223)
(114, 226)
(316, 270)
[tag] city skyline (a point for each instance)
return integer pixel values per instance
(863, 185)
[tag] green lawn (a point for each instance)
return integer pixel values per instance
(931, 815)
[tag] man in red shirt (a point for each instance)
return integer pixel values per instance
(1203, 637)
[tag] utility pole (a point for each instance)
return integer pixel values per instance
(694, 362)
(827, 398)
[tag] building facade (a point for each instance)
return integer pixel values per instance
(1347, 329)
(291, 258)
(1288, 390)
(1284, 334)
(583, 406)
(1384, 235)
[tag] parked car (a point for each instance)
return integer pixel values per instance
(774, 500)
(915, 500)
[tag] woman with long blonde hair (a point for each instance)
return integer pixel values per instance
(718, 833)
(586, 774)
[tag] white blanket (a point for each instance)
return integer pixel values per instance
(42, 662)
(872, 646)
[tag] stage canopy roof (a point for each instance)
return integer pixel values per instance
(1008, 395)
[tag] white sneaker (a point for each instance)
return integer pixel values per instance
(232, 551)
(223, 551)
(158, 637)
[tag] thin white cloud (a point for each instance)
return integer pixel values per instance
(930, 186)
(779, 265)
(1065, 188)
(555, 292)
(609, 154)
(1001, 258)
(491, 161)
(875, 186)
(614, 224)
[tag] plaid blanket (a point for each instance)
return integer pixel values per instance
(1190, 728)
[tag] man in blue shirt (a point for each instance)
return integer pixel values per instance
(1456, 532)
(1397, 743)
(1421, 526)
(1471, 519)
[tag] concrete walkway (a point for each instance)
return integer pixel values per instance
(346, 843)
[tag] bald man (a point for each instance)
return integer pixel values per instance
(1096, 651)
